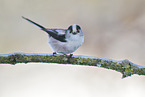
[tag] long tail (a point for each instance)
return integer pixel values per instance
(54, 35)
(43, 28)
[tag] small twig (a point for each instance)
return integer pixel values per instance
(126, 67)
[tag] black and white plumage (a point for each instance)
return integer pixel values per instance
(63, 41)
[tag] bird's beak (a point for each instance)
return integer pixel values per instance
(74, 33)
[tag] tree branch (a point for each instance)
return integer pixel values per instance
(126, 67)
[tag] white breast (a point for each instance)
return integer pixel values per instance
(72, 44)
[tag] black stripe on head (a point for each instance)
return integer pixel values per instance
(78, 27)
(70, 29)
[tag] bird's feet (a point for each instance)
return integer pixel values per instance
(54, 53)
(70, 55)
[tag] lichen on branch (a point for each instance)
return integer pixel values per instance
(125, 67)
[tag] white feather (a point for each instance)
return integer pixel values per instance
(72, 44)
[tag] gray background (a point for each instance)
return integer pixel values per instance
(113, 29)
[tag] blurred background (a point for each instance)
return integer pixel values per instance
(113, 29)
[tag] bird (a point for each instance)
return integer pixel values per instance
(63, 41)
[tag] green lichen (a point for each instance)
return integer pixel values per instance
(125, 67)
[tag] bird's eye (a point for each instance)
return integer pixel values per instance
(70, 29)
(78, 31)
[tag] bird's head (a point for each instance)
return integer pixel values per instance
(74, 29)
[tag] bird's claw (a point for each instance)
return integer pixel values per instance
(54, 53)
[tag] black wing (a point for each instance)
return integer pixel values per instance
(54, 35)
